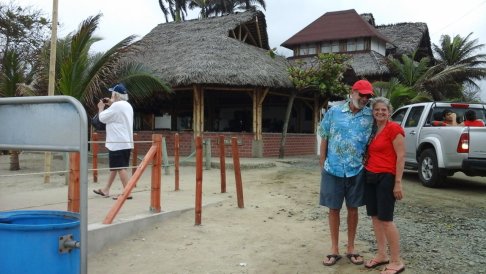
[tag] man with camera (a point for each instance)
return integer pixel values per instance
(118, 118)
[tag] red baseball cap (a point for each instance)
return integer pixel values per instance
(363, 87)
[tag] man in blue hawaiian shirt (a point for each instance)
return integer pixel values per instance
(345, 130)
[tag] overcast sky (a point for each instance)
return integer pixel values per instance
(284, 17)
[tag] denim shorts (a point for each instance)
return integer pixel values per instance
(379, 198)
(334, 190)
(119, 159)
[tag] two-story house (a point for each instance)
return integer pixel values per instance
(368, 45)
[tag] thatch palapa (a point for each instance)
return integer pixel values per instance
(202, 51)
(407, 38)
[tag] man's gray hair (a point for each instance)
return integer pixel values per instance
(120, 97)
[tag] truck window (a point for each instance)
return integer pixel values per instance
(398, 115)
(414, 116)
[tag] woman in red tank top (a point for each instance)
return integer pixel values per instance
(384, 170)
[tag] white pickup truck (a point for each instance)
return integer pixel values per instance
(439, 151)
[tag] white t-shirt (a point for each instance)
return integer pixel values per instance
(119, 125)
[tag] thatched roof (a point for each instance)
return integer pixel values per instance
(369, 64)
(407, 38)
(203, 51)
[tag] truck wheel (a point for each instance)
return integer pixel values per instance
(428, 169)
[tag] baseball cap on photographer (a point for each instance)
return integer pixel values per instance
(363, 87)
(120, 88)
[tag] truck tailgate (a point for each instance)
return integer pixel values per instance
(477, 142)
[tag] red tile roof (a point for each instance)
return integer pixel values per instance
(334, 26)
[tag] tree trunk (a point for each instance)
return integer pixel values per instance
(14, 160)
(281, 151)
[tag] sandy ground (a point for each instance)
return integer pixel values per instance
(281, 229)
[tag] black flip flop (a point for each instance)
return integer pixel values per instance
(350, 256)
(375, 263)
(332, 256)
(99, 192)
(128, 198)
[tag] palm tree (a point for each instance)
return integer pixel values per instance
(416, 77)
(409, 72)
(231, 6)
(221, 7)
(84, 76)
(176, 8)
(11, 79)
(250, 4)
(206, 7)
(458, 63)
(455, 70)
(399, 94)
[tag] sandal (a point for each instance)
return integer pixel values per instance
(395, 271)
(332, 259)
(100, 192)
(355, 256)
(119, 196)
(374, 263)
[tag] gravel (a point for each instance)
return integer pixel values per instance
(437, 235)
(435, 241)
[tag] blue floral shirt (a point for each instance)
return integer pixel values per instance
(347, 135)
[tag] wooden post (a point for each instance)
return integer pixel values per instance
(176, 161)
(222, 164)
(199, 175)
(73, 187)
(94, 149)
(135, 153)
(236, 167)
(52, 81)
(156, 174)
(198, 110)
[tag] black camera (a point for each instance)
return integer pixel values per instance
(105, 100)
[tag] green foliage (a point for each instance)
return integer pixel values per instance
(323, 73)
(22, 30)
(272, 52)
(11, 74)
(177, 9)
(86, 77)
(408, 71)
(456, 70)
(459, 59)
(399, 94)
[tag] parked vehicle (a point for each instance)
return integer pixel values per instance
(440, 151)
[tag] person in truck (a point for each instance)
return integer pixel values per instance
(438, 122)
(470, 119)
(450, 117)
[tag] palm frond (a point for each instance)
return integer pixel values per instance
(11, 75)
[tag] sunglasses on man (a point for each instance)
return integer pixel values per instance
(364, 95)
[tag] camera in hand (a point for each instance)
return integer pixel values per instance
(105, 100)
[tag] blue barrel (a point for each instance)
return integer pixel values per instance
(29, 242)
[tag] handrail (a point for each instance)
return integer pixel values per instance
(153, 155)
